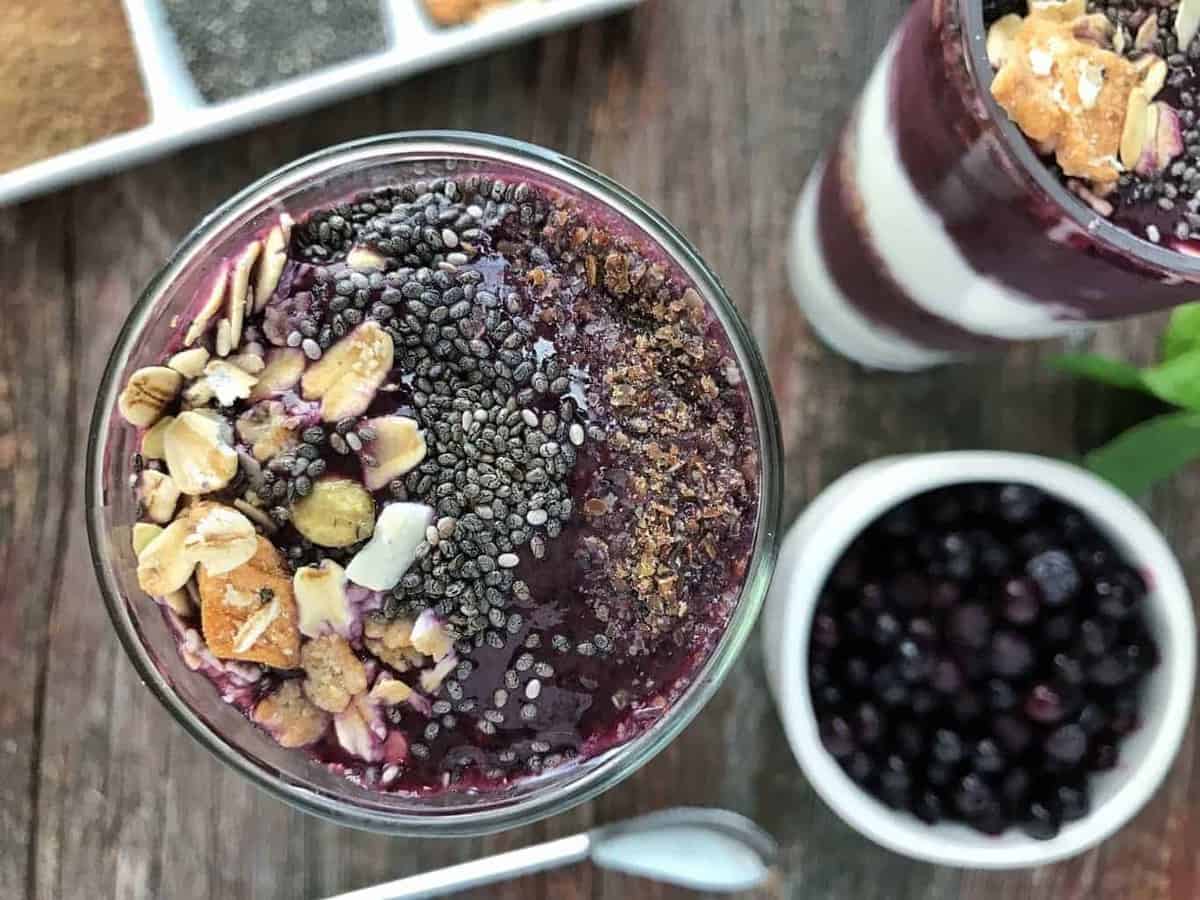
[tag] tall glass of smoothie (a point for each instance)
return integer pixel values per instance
(1014, 170)
(434, 483)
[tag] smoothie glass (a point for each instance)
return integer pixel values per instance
(932, 229)
(291, 775)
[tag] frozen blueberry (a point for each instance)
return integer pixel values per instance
(927, 806)
(1021, 604)
(1054, 572)
(971, 626)
(910, 591)
(1011, 655)
(1067, 745)
(986, 757)
(1073, 801)
(1000, 694)
(958, 557)
(1067, 669)
(1096, 636)
(972, 796)
(1014, 734)
(886, 630)
(1041, 820)
(860, 767)
(947, 747)
(1045, 704)
(1014, 790)
(825, 632)
(869, 723)
(1019, 503)
(913, 663)
(947, 677)
(837, 736)
(910, 740)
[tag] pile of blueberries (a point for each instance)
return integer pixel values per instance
(976, 653)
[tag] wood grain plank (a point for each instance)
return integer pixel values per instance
(37, 391)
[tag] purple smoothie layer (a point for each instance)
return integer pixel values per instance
(859, 273)
(628, 601)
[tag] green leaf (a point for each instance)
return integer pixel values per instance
(1148, 453)
(1183, 331)
(1176, 381)
(1100, 368)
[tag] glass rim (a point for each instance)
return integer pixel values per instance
(1097, 227)
(609, 768)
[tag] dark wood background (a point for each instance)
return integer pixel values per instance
(714, 111)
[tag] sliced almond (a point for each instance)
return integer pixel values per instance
(346, 378)
(430, 637)
(256, 626)
(321, 599)
(390, 691)
(272, 262)
(147, 395)
(431, 679)
(158, 495)
(152, 440)
(224, 341)
(360, 731)
(1187, 23)
(179, 602)
(211, 306)
(229, 383)
(398, 448)
(1154, 75)
(198, 394)
(1120, 40)
(1147, 34)
(1134, 135)
(364, 259)
(164, 565)
(284, 366)
(189, 363)
(197, 453)
(1000, 39)
(1165, 140)
(143, 534)
(337, 513)
(219, 537)
(268, 429)
(239, 286)
(248, 362)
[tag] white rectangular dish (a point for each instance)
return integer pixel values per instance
(179, 116)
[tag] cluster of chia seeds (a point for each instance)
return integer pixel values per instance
(501, 424)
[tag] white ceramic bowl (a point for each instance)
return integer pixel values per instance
(848, 506)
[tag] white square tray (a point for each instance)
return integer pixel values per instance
(180, 116)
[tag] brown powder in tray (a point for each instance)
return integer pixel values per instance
(68, 76)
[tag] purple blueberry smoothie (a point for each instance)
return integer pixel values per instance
(938, 226)
(448, 484)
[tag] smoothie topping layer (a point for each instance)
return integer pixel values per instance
(1110, 91)
(450, 483)
(1068, 91)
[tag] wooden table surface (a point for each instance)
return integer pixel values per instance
(714, 111)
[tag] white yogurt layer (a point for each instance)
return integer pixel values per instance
(835, 321)
(911, 240)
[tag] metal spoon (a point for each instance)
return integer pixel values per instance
(701, 849)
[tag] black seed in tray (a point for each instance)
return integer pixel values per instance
(976, 654)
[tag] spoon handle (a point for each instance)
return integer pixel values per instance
(488, 870)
